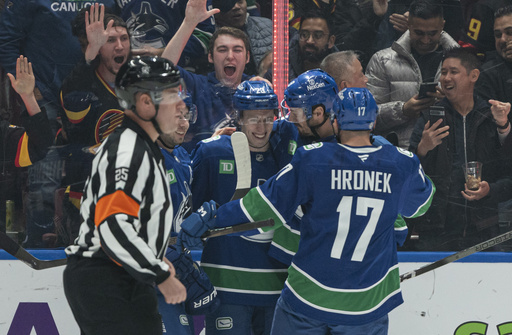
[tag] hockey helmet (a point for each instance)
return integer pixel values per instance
(148, 74)
(311, 88)
(358, 109)
(254, 95)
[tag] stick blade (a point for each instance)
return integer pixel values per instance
(242, 161)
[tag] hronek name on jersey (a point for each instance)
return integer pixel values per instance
(375, 181)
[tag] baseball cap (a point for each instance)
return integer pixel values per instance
(224, 5)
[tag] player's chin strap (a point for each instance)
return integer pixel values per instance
(155, 125)
(314, 128)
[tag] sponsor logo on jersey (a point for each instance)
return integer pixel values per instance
(259, 158)
(183, 320)
(374, 181)
(292, 147)
(171, 176)
(363, 158)
(313, 146)
(224, 323)
(226, 167)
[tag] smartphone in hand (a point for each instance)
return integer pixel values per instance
(436, 113)
(426, 87)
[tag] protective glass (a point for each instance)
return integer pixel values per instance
(294, 114)
(256, 120)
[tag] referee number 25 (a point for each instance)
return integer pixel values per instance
(345, 214)
(121, 174)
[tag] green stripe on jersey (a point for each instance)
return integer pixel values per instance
(285, 239)
(342, 301)
(400, 222)
(259, 208)
(427, 203)
(257, 281)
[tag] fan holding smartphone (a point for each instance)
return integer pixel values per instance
(427, 87)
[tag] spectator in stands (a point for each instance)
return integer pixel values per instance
(41, 31)
(259, 30)
(159, 21)
(395, 74)
(212, 94)
(495, 80)
(460, 217)
(314, 41)
(394, 23)
(478, 31)
(90, 104)
(354, 23)
(21, 146)
(345, 68)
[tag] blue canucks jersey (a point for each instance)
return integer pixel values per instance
(179, 174)
(345, 270)
(239, 267)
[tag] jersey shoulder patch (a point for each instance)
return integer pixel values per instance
(313, 146)
(211, 139)
(405, 152)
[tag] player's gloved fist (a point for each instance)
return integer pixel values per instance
(201, 220)
(190, 242)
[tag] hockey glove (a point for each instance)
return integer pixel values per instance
(201, 295)
(201, 220)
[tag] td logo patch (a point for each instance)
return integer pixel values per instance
(224, 323)
(171, 176)
(226, 167)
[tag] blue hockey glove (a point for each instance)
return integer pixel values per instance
(190, 242)
(201, 295)
(201, 220)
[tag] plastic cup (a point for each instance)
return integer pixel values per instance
(473, 174)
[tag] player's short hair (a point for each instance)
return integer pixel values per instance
(231, 31)
(467, 58)
(425, 9)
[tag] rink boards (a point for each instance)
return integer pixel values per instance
(471, 296)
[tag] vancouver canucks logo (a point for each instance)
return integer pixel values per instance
(184, 208)
(313, 85)
(146, 20)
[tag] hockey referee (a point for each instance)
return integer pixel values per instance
(127, 212)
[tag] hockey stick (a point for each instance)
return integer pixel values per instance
(23, 255)
(243, 164)
(458, 255)
(13, 248)
(231, 229)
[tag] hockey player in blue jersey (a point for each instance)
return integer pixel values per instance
(311, 98)
(177, 319)
(344, 278)
(247, 280)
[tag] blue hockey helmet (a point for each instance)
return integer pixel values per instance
(311, 88)
(254, 95)
(358, 109)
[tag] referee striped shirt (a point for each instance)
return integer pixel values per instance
(126, 206)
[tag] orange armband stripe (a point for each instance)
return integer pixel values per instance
(115, 203)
